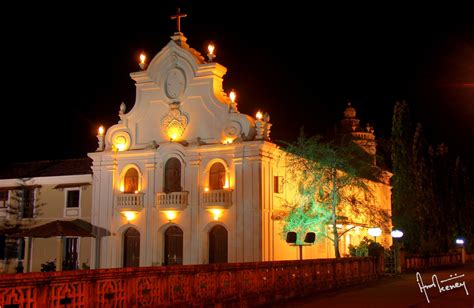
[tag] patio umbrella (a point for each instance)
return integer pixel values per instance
(76, 227)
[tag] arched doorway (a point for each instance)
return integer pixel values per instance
(173, 246)
(172, 175)
(131, 247)
(218, 244)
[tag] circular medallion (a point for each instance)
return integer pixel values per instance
(175, 83)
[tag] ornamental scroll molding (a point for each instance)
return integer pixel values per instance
(175, 120)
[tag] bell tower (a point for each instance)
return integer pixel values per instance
(349, 127)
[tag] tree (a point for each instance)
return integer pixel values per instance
(332, 184)
(426, 212)
(404, 210)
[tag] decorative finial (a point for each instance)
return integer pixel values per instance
(233, 103)
(142, 61)
(210, 49)
(123, 108)
(100, 138)
(178, 17)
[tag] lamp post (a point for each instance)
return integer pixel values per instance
(375, 232)
(396, 234)
(460, 243)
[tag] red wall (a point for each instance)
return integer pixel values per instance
(245, 283)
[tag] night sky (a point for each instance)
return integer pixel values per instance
(66, 73)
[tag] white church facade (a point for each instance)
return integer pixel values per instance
(185, 178)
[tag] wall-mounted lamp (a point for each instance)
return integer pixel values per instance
(171, 215)
(216, 213)
(130, 215)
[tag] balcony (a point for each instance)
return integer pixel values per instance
(175, 201)
(217, 199)
(129, 202)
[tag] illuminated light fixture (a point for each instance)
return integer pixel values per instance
(120, 143)
(226, 184)
(210, 49)
(228, 140)
(174, 131)
(122, 187)
(206, 189)
(136, 191)
(259, 115)
(396, 234)
(216, 213)
(142, 61)
(375, 231)
(171, 215)
(130, 215)
(232, 96)
(459, 241)
(101, 130)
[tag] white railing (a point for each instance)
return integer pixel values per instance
(131, 202)
(217, 198)
(177, 200)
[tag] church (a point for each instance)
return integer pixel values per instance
(183, 177)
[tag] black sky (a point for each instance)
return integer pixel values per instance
(65, 73)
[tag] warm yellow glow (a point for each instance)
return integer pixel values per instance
(136, 191)
(101, 130)
(349, 226)
(130, 215)
(170, 215)
(206, 189)
(211, 48)
(228, 141)
(174, 133)
(232, 96)
(226, 184)
(217, 213)
(142, 58)
(120, 143)
(122, 187)
(259, 115)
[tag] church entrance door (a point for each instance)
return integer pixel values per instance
(173, 246)
(131, 247)
(218, 245)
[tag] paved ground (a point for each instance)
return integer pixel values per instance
(401, 291)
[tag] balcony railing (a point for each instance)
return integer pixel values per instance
(217, 199)
(129, 202)
(177, 200)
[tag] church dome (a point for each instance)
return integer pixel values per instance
(350, 111)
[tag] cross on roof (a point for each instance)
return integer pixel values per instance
(178, 17)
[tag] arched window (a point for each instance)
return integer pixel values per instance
(130, 181)
(172, 175)
(131, 247)
(173, 246)
(217, 176)
(218, 244)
